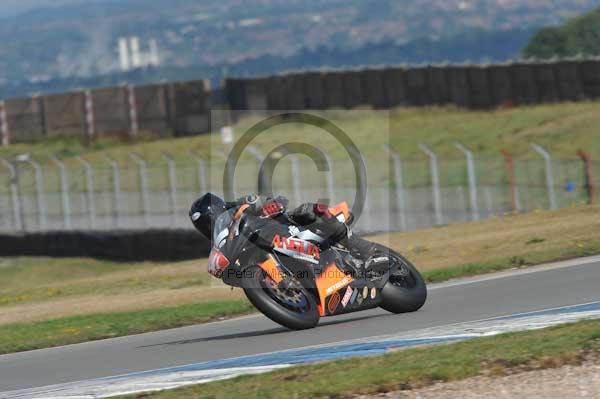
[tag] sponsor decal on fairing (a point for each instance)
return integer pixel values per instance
(339, 285)
(347, 296)
(334, 302)
(297, 248)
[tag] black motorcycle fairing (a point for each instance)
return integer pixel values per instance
(261, 231)
(252, 245)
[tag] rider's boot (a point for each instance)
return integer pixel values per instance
(360, 251)
(358, 247)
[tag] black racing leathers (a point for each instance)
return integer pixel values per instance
(265, 227)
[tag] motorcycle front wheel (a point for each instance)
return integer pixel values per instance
(292, 307)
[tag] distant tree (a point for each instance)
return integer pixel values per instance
(580, 35)
(547, 43)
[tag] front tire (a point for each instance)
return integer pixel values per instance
(405, 291)
(294, 308)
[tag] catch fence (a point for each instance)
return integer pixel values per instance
(134, 193)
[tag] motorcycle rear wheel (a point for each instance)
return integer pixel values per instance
(294, 308)
(405, 291)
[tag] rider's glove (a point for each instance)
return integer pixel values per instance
(322, 210)
(272, 208)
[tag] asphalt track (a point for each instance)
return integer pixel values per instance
(566, 283)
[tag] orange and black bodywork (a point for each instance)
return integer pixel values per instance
(336, 292)
(342, 211)
(341, 293)
(271, 267)
(283, 255)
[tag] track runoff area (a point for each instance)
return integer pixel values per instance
(459, 310)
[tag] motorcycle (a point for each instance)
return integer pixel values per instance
(298, 277)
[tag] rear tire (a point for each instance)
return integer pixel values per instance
(403, 294)
(260, 294)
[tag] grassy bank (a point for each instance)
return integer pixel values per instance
(71, 330)
(500, 243)
(411, 368)
(48, 302)
(512, 262)
(40, 289)
(563, 128)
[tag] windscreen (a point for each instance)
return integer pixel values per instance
(221, 229)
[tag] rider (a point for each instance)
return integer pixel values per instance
(205, 211)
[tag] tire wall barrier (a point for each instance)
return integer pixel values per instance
(183, 108)
(469, 86)
(147, 245)
(163, 110)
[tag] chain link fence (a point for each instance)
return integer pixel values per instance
(132, 193)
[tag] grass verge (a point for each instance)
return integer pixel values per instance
(21, 337)
(500, 243)
(562, 128)
(512, 262)
(411, 368)
(48, 302)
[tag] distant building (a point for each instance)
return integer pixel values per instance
(131, 55)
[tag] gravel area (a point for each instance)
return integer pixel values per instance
(582, 381)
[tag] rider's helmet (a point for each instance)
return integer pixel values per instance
(205, 211)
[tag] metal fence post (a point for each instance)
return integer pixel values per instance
(549, 174)
(260, 158)
(588, 175)
(296, 179)
(172, 185)
(143, 186)
(132, 105)
(116, 180)
(90, 122)
(64, 189)
(40, 194)
(472, 180)
(368, 221)
(330, 180)
(202, 179)
(14, 189)
(228, 192)
(89, 184)
(4, 131)
(510, 172)
(398, 186)
(435, 182)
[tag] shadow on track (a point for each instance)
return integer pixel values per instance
(250, 334)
